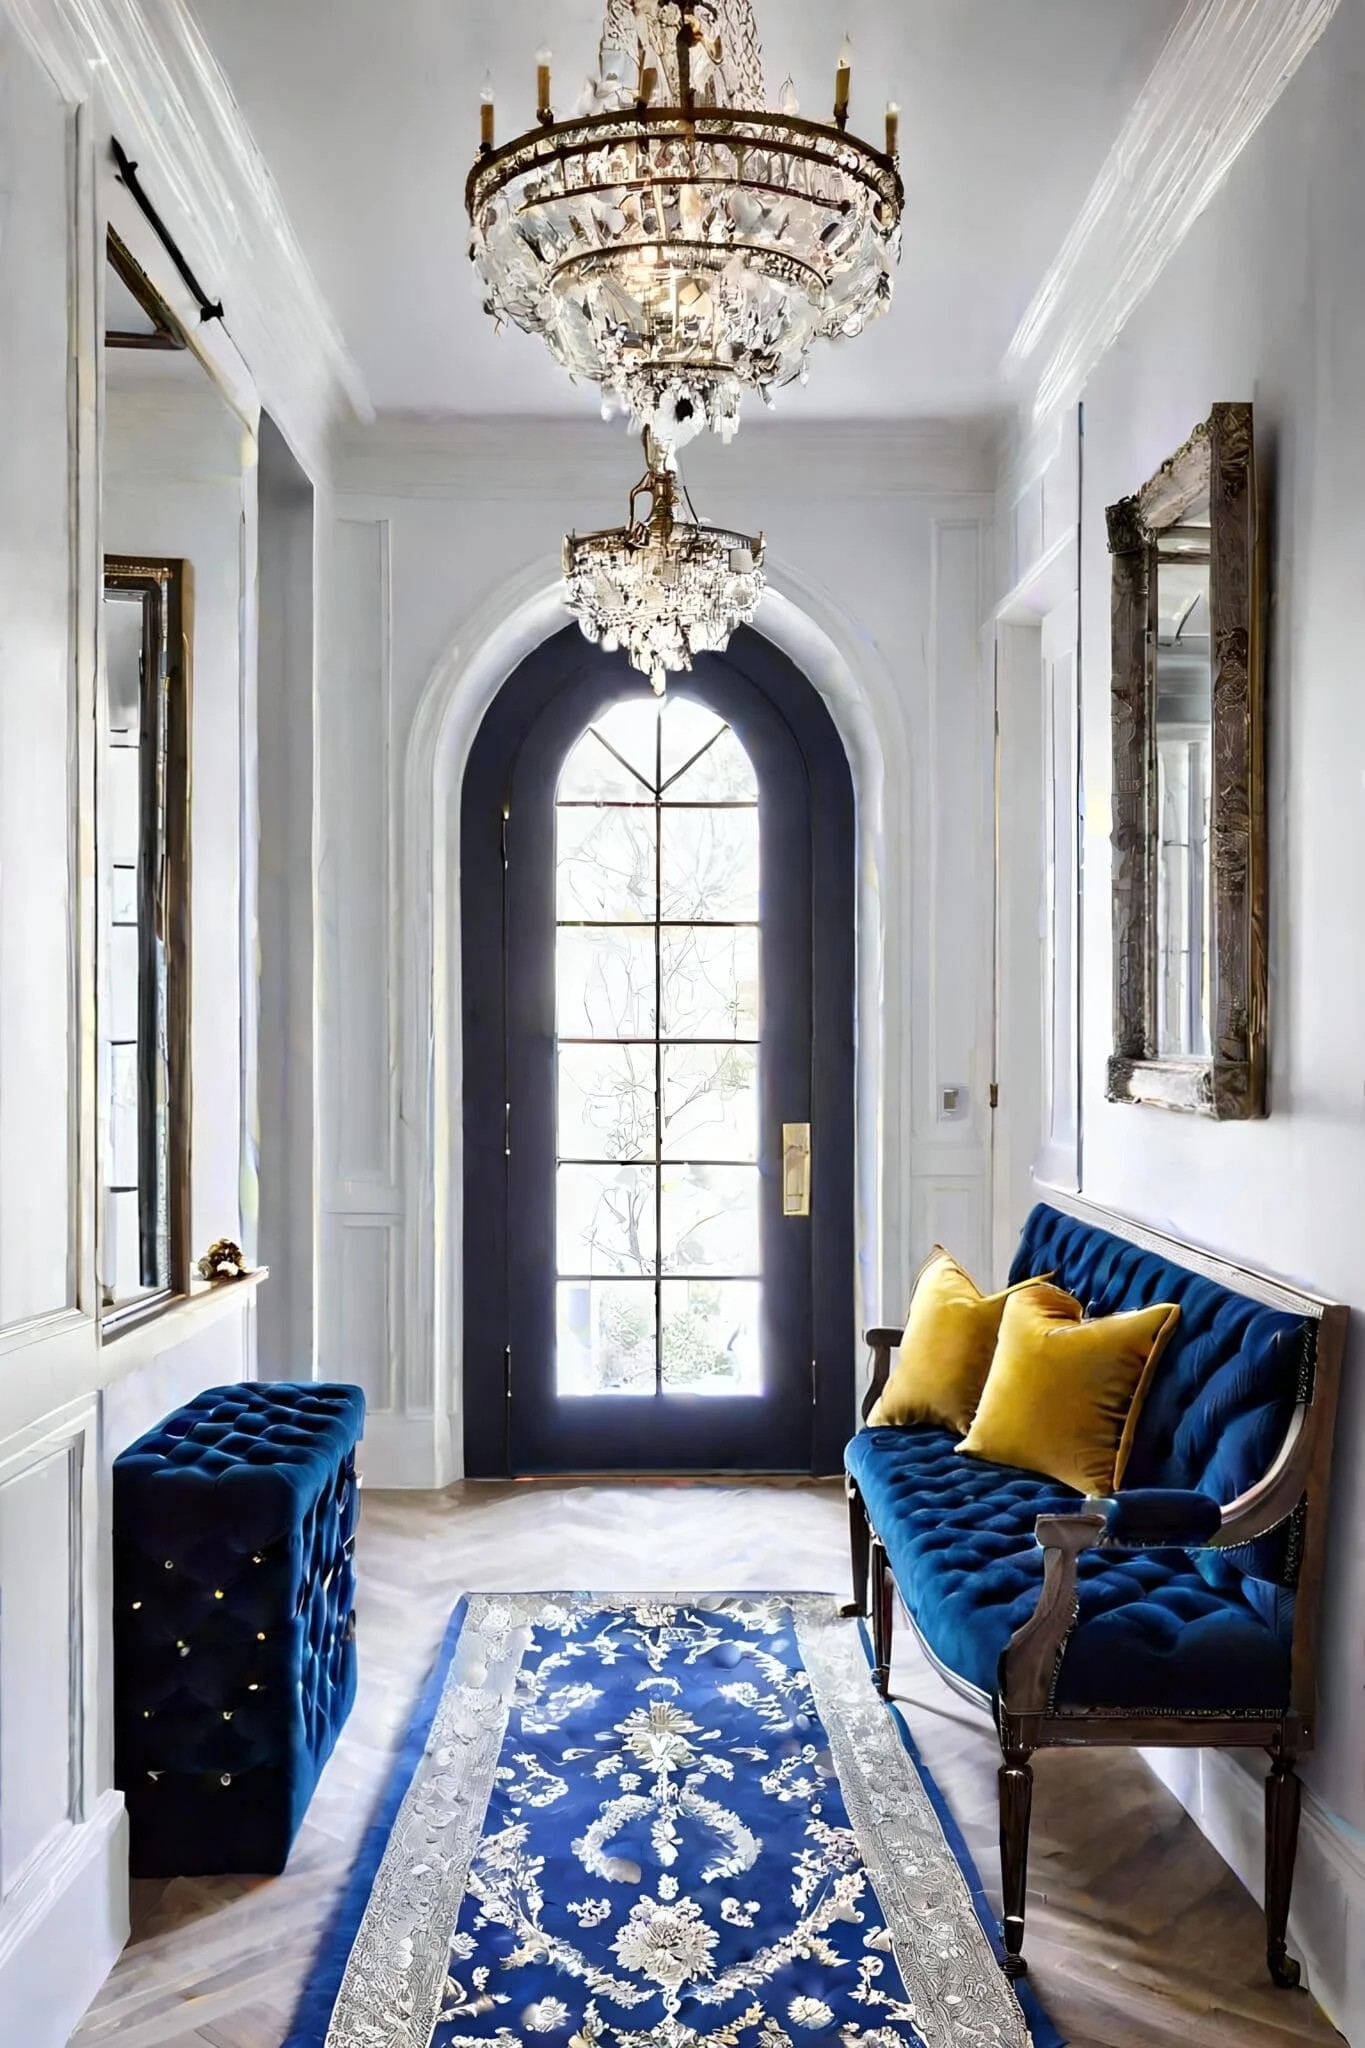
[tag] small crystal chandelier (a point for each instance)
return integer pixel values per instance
(662, 587)
(679, 240)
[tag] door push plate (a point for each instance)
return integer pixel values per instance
(796, 1169)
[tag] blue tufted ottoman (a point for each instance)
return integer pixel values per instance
(234, 1622)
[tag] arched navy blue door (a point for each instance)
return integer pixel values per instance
(657, 921)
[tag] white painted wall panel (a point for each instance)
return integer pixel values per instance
(37, 972)
(956, 884)
(355, 861)
(1059, 1158)
(39, 1635)
(362, 1256)
(288, 1043)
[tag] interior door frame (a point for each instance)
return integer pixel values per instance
(558, 664)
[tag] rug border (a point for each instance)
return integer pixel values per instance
(1042, 2026)
(317, 2001)
(322, 1986)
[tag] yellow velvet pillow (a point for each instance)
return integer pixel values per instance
(946, 1350)
(1064, 1396)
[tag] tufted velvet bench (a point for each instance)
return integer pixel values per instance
(234, 1626)
(1181, 1612)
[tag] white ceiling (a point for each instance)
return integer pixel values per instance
(367, 114)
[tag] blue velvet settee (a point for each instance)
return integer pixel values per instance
(1183, 1612)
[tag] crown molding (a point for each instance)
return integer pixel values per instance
(420, 456)
(1222, 69)
(173, 109)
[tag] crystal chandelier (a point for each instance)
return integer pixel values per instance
(679, 239)
(662, 587)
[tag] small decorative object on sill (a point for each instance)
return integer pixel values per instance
(664, 587)
(223, 1261)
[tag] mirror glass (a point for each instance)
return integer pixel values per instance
(1182, 685)
(135, 1081)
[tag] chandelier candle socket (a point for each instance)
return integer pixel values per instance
(678, 240)
(665, 589)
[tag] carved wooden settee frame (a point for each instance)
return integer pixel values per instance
(1024, 1710)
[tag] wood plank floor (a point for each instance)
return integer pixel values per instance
(1139, 1936)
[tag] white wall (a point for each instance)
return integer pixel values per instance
(288, 1062)
(68, 1404)
(1266, 301)
(438, 542)
(37, 847)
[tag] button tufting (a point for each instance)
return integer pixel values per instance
(290, 1446)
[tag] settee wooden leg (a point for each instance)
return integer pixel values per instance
(860, 1549)
(883, 1617)
(1283, 1797)
(1016, 1806)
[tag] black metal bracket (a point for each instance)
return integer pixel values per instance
(209, 309)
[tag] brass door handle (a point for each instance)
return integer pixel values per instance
(796, 1169)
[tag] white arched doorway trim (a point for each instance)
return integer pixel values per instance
(849, 671)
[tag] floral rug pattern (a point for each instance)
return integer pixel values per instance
(666, 1823)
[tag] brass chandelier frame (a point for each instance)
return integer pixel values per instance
(561, 144)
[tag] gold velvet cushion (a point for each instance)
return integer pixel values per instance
(1064, 1396)
(946, 1350)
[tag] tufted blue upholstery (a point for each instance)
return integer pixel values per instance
(234, 1652)
(1222, 1395)
(1152, 1634)
(1160, 1629)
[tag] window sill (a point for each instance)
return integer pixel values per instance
(146, 1337)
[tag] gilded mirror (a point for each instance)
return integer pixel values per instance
(1189, 787)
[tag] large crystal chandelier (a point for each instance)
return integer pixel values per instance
(679, 239)
(663, 587)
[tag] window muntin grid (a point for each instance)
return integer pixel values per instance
(657, 972)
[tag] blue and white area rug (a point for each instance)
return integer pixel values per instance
(660, 1822)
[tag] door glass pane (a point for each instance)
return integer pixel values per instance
(630, 730)
(685, 730)
(606, 1337)
(710, 1101)
(710, 982)
(594, 774)
(711, 1337)
(607, 1220)
(657, 979)
(709, 867)
(606, 1102)
(606, 982)
(709, 1220)
(607, 868)
(724, 774)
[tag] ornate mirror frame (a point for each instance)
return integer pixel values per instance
(1217, 460)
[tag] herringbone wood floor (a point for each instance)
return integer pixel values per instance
(1139, 1937)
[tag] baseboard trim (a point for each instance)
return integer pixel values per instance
(62, 1928)
(1223, 1794)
